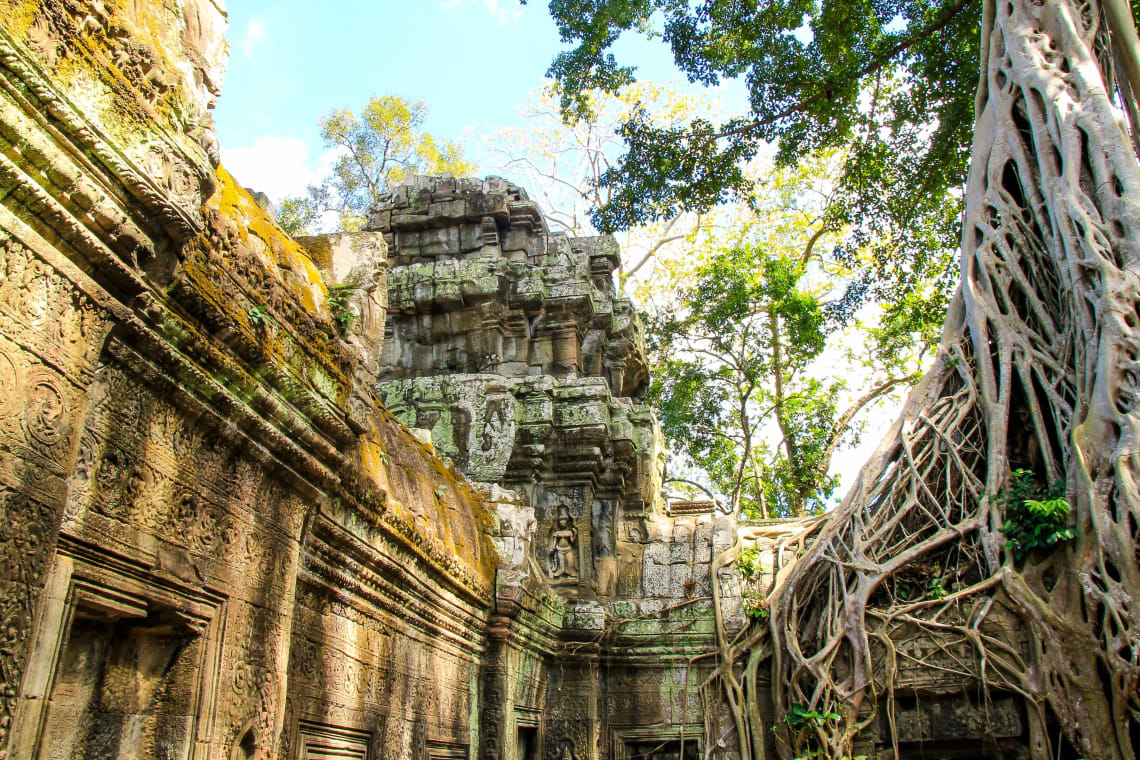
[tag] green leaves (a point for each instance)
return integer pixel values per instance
(730, 366)
(1036, 518)
(888, 84)
(258, 315)
(751, 568)
(339, 296)
(800, 717)
(748, 563)
(296, 216)
(381, 147)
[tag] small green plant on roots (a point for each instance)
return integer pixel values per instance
(804, 723)
(338, 298)
(751, 567)
(801, 718)
(1036, 518)
(749, 563)
(935, 589)
(755, 604)
(257, 315)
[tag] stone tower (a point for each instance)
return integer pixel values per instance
(510, 344)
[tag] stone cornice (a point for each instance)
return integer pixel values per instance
(181, 220)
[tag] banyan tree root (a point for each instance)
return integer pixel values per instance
(1039, 369)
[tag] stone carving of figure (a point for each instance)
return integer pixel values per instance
(564, 546)
(493, 430)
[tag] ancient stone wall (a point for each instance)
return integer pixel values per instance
(510, 347)
(390, 493)
(216, 542)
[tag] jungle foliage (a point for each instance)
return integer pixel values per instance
(379, 147)
(736, 384)
(891, 84)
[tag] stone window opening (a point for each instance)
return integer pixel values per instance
(245, 748)
(123, 666)
(318, 741)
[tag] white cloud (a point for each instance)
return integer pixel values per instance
(277, 166)
(504, 15)
(255, 34)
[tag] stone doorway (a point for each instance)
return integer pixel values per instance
(527, 748)
(123, 689)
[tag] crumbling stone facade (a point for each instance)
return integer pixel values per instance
(216, 542)
(510, 348)
(244, 519)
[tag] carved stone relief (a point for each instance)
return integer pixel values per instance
(563, 546)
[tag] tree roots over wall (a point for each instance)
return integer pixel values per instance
(1039, 370)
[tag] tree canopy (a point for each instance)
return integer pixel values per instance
(374, 150)
(891, 84)
(737, 378)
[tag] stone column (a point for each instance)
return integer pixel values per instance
(565, 344)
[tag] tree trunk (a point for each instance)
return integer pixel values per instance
(1039, 369)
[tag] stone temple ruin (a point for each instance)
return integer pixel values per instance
(241, 523)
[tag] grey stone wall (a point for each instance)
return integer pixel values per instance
(510, 346)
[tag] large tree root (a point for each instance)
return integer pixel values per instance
(1039, 369)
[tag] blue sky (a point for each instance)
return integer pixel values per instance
(472, 61)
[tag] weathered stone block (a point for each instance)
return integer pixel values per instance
(657, 580)
(585, 616)
(447, 210)
(658, 551)
(702, 542)
(440, 242)
(487, 204)
(679, 549)
(406, 239)
(680, 578)
(650, 606)
(724, 534)
(702, 579)
(470, 237)
(515, 240)
(404, 220)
